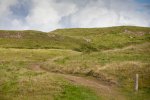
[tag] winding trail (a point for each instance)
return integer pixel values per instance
(108, 91)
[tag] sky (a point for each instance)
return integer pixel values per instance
(48, 15)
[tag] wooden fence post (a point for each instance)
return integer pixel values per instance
(136, 82)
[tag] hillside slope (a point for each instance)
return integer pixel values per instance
(75, 64)
(80, 39)
(37, 40)
(109, 38)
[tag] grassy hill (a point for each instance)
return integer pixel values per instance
(80, 39)
(108, 38)
(75, 64)
(37, 40)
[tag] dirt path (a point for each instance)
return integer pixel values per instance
(109, 92)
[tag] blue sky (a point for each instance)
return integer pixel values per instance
(143, 1)
(47, 15)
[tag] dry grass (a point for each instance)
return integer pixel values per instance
(111, 56)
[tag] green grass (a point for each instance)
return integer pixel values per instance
(75, 92)
(108, 38)
(33, 54)
(118, 66)
(112, 55)
(86, 39)
(19, 83)
(37, 40)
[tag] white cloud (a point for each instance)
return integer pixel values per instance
(103, 13)
(6, 16)
(46, 15)
(5, 7)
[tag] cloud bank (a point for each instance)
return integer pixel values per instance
(47, 15)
